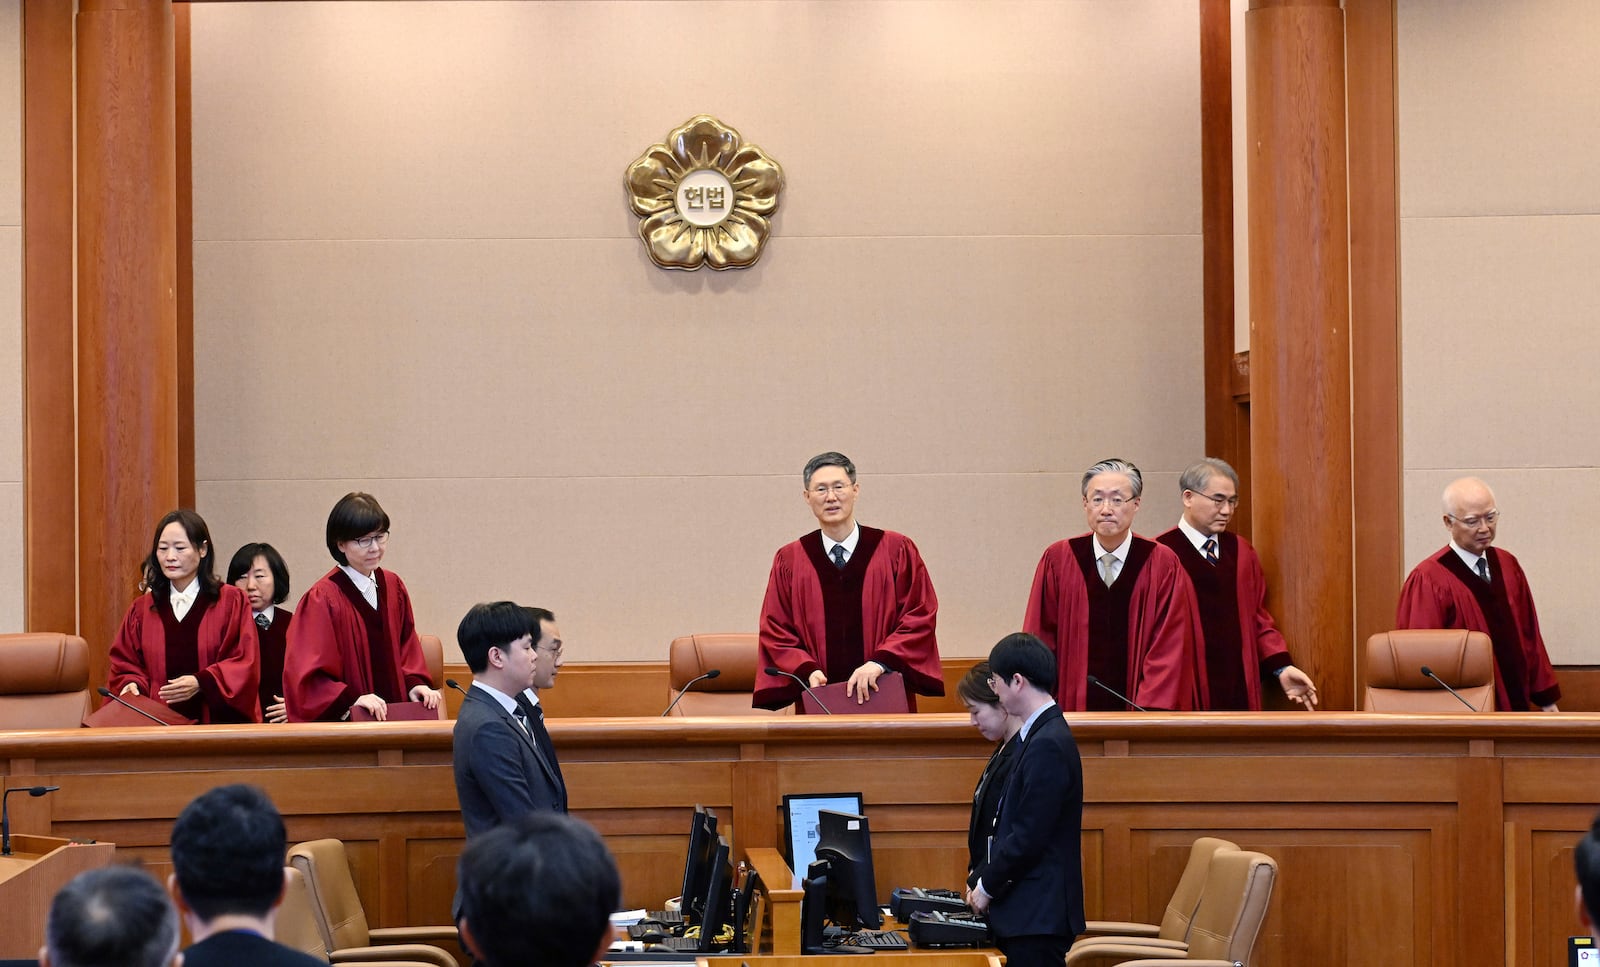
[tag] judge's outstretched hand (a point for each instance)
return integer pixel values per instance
(818, 679)
(1299, 687)
(277, 711)
(372, 703)
(429, 697)
(132, 688)
(863, 681)
(180, 689)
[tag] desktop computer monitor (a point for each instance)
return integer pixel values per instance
(844, 850)
(697, 863)
(718, 910)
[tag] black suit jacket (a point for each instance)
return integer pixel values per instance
(499, 771)
(986, 801)
(239, 948)
(1035, 868)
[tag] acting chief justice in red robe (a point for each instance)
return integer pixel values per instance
(354, 640)
(188, 641)
(1240, 641)
(846, 602)
(1473, 586)
(1117, 606)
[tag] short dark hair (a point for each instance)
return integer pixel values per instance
(227, 851)
(538, 890)
(830, 459)
(246, 556)
(1587, 860)
(355, 515)
(194, 528)
(536, 619)
(495, 624)
(974, 686)
(114, 916)
(1023, 654)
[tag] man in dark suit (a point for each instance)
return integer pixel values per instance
(1031, 886)
(114, 916)
(504, 767)
(227, 861)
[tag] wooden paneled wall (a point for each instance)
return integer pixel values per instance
(1402, 840)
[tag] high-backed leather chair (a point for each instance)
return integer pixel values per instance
(734, 656)
(44, 681)
(1173, 930)
(433, 654)
(1395, 683)
(296, 923)
(1233, 905)
(343, 921)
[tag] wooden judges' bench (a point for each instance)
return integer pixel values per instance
(1401, 840)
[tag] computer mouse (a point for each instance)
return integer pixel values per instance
(653, 935)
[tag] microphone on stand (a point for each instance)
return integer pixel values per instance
(775, 670)
(5, 812)
(106, 693)
(453, 684)
(1429, 672)
(1124, 699)
(713, 673)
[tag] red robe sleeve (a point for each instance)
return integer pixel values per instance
(129, 659)
(1542, 686)
(899, 611)
(786, 638)
(1058, 615)
(1164, 636)
(402, 622)
(1265, 649)
(230, 656)
(321, 676)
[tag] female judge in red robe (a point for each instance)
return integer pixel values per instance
(354, 639)
(188, 641)
(258, 570)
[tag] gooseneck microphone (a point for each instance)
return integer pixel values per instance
(1121, 697)
(453, 684)
(106, 693)
(5, 812)
(713, 673)
(775, 670)
(1429, 672)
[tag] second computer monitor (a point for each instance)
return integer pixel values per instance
(697, 863)
(844, 842)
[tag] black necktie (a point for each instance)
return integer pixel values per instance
(1210, 547)
(1483, 569)
(541, 735)
(838, 556)
(263, 622)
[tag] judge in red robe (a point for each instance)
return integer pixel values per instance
(354, 641)
(1473, 586)
(188, 641)
(1240, 643)
(846, 602)
(1137, 633)
(260, 572)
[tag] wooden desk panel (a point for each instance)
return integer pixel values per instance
(1401, 840)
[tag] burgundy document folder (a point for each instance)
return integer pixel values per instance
(399, 712)
(112, 715)
(888, 699)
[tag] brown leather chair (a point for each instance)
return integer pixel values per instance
(296, 923)
(1395, 683)
(44, 681)
(343, 922)
(1173, 930)
(433, 654)
(734, 656)
(1233, 905)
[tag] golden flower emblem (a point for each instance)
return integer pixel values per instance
(704, 196)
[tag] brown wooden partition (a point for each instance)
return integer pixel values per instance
(1401, 840)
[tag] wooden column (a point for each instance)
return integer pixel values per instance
(127, 309)
(1300, 323)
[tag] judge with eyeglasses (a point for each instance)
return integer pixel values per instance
(1240, 644)
(1474, 586)
(353, 643)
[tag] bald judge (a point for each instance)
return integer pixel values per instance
(1474, 586)
(846, 603)
(1117, 607)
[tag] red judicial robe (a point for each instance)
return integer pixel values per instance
(274, 642)
(331, 660)
(896, 621)
(225, 661)
(1240, 641)
(1441, 592)
(1163, 628)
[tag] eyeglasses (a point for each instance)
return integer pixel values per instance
(554, 652)
(1218, 499)
(366, 543)
(1472, 522)
(838, 487)
(1114, 500)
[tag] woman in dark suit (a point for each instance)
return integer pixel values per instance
(258, 570)
(983, 706)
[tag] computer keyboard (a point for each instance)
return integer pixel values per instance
(879, 940)
(668, 917)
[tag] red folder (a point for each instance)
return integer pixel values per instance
(112, 715)
(887, 700)
(399, 712)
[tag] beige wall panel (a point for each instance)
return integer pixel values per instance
(1497, 106)
(11, 618)
(470, 120)
(10, 116)
(629, 563)
(576, 358)
(10, 427)
(1499, 342)
(1538, 530)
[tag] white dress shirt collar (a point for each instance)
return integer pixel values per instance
(1195, 537)
(1120, 553)
(506, 701)
(367, 586)
(1467, 557)
(269, 611)
(182, 601)
(1022, 733)
(828, 543)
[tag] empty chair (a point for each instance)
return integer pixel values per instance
(734, 656)
(1395, 682)
(343, 922)
(1173, 931)
(44, 681)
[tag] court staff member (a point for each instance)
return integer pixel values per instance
(1116, 606)
(1474, 586)
(115, 916)
(992, 722)
(1030, 887)
(846, 603)
(259, 571)
(1240, 642)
